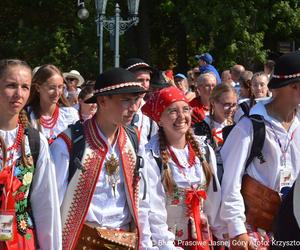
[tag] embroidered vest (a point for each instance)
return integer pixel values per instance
(24, 220)
(82, 186)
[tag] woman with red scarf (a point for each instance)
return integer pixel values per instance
(183, 198)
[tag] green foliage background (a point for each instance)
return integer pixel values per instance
(168, 35)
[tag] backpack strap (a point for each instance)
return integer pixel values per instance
(150, 129)
(259, 134)
(34, 142)
(132, 134)
(245, 107)
(77, 149)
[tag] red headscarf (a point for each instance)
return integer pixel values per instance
(162, 99)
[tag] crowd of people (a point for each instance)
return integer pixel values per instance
(142, 158)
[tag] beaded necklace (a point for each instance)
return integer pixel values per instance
(15, 147)
(50, 122)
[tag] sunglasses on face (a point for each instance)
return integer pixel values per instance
(71, 79)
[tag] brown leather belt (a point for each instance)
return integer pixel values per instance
(261, 203)
(95, 238)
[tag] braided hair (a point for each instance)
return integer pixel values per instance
(5, 65)
(167, 177)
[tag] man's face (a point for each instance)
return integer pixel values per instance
(71, 83)
(182, 84)
(143, 76)
(201, 62)
(207, 85)
(120, 109)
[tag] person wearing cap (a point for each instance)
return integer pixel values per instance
(48, 109)
(205, 65)
(183, 195)
(181, 82)
(269, 177)
(73, 81)
(99, 201)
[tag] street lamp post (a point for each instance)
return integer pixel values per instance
(115, 25)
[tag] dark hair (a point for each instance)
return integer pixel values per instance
(270, 64)
(245, 82)
(87, 90)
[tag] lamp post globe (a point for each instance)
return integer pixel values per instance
(83, 13)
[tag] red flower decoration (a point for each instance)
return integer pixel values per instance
(19, 196)
(175, 202)
(179, 233)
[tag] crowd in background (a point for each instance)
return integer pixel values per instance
(144, 158)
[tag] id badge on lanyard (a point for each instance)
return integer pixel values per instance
(286, 180)
(7, 213)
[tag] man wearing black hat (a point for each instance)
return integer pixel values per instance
(99, 198)
(144, 72)
(267, 179)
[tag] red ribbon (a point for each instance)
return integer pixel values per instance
(10, 187)
(192, 200)
(219, 140)
(11, 184)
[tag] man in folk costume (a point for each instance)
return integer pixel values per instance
(251, 195)
(99, 203)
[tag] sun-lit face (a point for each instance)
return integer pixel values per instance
(182, 84)
(14, 90)
(259, 86)
(51, 90)
(87, 108)
(176, 119)
(144, 78)
(120, 109)
(225, 107)
(205, 88)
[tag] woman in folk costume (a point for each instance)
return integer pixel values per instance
(223, 103)
(48, 108)
(29, 207)
(269, 176)
(99, 201)
(183, 193)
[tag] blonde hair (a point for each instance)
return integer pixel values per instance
(215, 95)
(167, 177)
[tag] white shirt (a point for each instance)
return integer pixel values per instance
(240, 113)
(66, 117)
(105, 209)
(152, 210)
(43, 197)
(235, 152)
(144, 127)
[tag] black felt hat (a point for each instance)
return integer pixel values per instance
(286, 70)
(158, 80)
(116, 81)
(135, 64)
